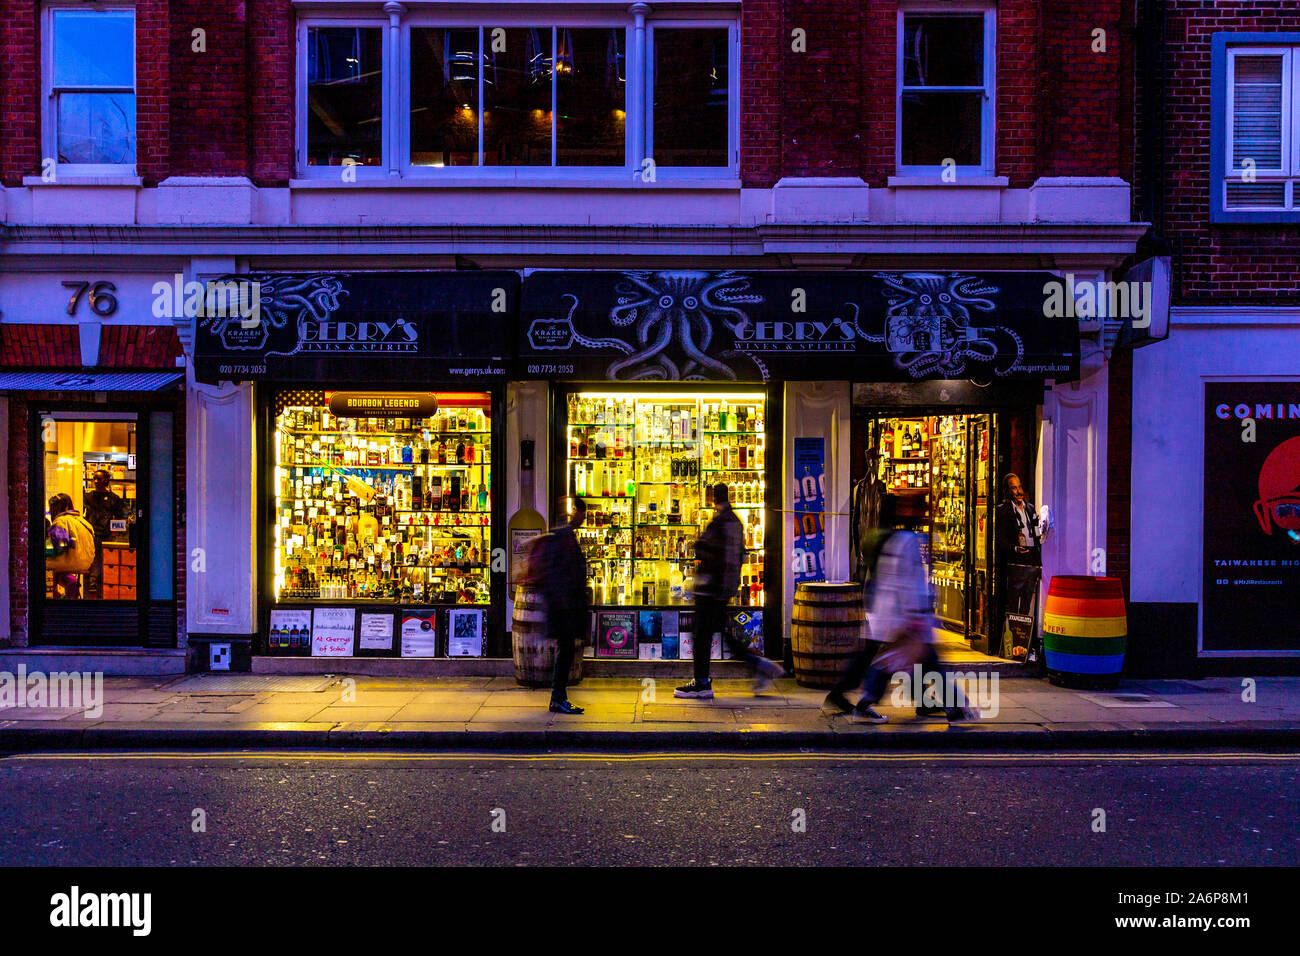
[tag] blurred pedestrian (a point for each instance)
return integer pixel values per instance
(718, 553)
(559, 571)
(872, 542)
(901, 617)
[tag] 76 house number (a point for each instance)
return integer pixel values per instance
(100, 297)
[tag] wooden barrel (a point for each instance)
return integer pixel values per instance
(826, 630)
(534, 648)
(1085, 630)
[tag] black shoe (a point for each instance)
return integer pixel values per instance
(837, 702)
(931, 712)
(700, 690)
(866, 714)
(564, 707)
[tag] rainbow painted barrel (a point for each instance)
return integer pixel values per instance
(1085, 630)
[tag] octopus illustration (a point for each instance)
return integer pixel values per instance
(672, 316)
(284, 299)
(928, 327)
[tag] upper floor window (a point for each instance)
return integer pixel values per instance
(601, 94)
(1257, 134)
(945, 89)
(89, 74)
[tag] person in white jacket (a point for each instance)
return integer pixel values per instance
(900, 614)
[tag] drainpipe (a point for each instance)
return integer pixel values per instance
(636, 83)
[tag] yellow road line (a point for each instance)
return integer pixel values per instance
(755, 757)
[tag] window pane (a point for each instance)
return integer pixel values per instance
(96, 127)
(943, 51)
(1257, 111)
(691, 91)
(94, 49)
(939, 126)
(590, 83)
(444, 97)
(344, 95)
(517, 97)
(90, 481)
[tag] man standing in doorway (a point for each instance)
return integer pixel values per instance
(1020, 559)
(718, 552)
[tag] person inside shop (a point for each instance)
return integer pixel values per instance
(70, 547)
(718, 553)
(900, 614)
(1017, 525)
(866, 499)
(103, 507)
(1020, 558)
(557, 568)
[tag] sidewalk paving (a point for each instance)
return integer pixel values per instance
(492, 713)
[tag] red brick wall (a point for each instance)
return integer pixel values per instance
(271, 91)
(1228, 264)
(39, 346)
(139, 346)
(209, 95)
(18, 523)
(153, 91)
(20, 91)
(1060, 107)
(1119, 466)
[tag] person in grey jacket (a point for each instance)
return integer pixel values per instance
(718, 553)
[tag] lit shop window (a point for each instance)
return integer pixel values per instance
(90, 87)
(645, 465)
(945, 92)
(1260, 149)
(393, 509)
(514, 97)
(345, 89)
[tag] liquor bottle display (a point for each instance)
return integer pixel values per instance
(644, 464)
(386, 509)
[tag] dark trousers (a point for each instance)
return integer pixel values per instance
(855, 673)
(710, 618)
(877, 679)
(566, 626)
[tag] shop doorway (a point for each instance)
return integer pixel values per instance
(943, 469)
(102, 515)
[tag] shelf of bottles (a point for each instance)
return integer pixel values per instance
(906, 454)
(384, 509)
(644, 465)
(948, 515)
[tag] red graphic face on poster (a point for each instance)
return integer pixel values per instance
(616, 634)
(1251, 567)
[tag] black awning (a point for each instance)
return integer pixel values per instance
(358, 327)
(693, 325)
(89, 380)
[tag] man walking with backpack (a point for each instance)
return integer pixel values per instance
(718, 553)
(560, 572)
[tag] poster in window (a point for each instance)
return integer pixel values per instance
(616, 634)
(808, 503)
(333, 630)
(419, 632)
(1251, 532)
(376, 632)
(650, 635)
(746, 626)
(464, 632)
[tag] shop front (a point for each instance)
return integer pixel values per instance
(378, 403)
(799, 392)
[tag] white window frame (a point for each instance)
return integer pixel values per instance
(732, 168)
(396, 150)
(49, 114)
(988, 111)
(307, 171)
(1289, 172)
